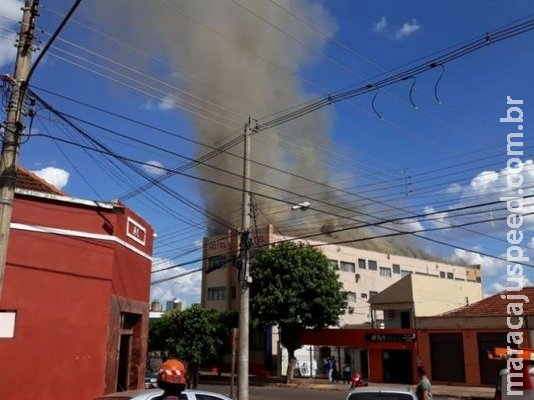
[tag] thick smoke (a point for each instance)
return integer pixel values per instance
(240, 66)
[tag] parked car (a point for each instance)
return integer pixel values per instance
(380, 393)
(149, 394)
(501, 392)
(151, 381)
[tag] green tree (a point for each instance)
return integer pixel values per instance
(193, 335)
(294, 287)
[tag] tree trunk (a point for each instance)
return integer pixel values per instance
(290, 375)
(192, 375)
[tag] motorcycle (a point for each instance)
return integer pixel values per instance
(358, 380)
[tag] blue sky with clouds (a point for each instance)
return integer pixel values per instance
(188, 74)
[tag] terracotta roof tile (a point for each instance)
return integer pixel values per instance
(29, 181)
(495, 305)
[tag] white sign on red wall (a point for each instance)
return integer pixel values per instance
(136, 231)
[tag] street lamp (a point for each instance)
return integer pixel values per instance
(301, 206)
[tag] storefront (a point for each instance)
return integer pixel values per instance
(389, 355)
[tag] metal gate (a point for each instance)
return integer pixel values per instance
(447, 357)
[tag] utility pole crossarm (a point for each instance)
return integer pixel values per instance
(14, 127)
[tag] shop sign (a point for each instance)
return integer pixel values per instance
(390, 337)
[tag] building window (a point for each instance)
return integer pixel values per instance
(372, 294)
(442, 274)
(351, 296)
(396, 268)
(216, 293)
(405, 272)
(385, 272)
(361, 263)
(373, 266)
(363, 295)
(333, 264)
(348, 266)
(478, 279)
(216, 262)
(450, 275)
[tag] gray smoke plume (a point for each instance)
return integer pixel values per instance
(234, 65)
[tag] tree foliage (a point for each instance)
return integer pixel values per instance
(195, 335)
(295, 287)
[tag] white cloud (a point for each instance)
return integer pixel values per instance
(454, 188)
(407, 225)
(489, 266)
(490, 186)
(436, 220)
(186, 288)
(167, 102)
(11, 10)
(153, 168)
(500, 284)
(55, 176)
(407, 29)
(381, 25)
(485, 181)
(494, 288)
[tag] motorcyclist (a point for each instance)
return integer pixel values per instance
(171, 378)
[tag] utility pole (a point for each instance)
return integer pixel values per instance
(14, 127)
(245, 280)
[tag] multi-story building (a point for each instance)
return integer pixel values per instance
(364, 274)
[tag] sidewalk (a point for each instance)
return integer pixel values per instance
(442, 391)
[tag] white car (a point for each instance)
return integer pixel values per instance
(149, 394)
(501, 390)
(380, 393)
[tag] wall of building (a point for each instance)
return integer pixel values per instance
(361, 282)
(471, 351)
(66, 265)
(390, 268)
(435, 296)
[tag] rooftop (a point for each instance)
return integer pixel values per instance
(495, 305)
(29, 181)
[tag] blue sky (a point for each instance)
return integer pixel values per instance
(194, 71)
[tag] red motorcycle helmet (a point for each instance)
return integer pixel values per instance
(172, 371)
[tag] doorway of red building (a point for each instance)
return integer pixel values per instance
(397, 366)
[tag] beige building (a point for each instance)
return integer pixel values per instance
(416, 296)
(364, 274)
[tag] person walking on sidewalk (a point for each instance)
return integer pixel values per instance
(423, 390)
(330, 369)
(346, 373)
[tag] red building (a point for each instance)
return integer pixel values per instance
(453, 346)
(75, 300)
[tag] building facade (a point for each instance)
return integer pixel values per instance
(75, 300)
(363, 273)
(456, 343)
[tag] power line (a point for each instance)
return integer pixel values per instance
(485, 40)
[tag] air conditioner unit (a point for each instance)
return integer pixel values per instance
(351, 310)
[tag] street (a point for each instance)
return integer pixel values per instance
(288, 393)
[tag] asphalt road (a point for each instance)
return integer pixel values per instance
(281, 393)
(285, 393)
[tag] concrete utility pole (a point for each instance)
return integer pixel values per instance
(14, 127)
(245, 280)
